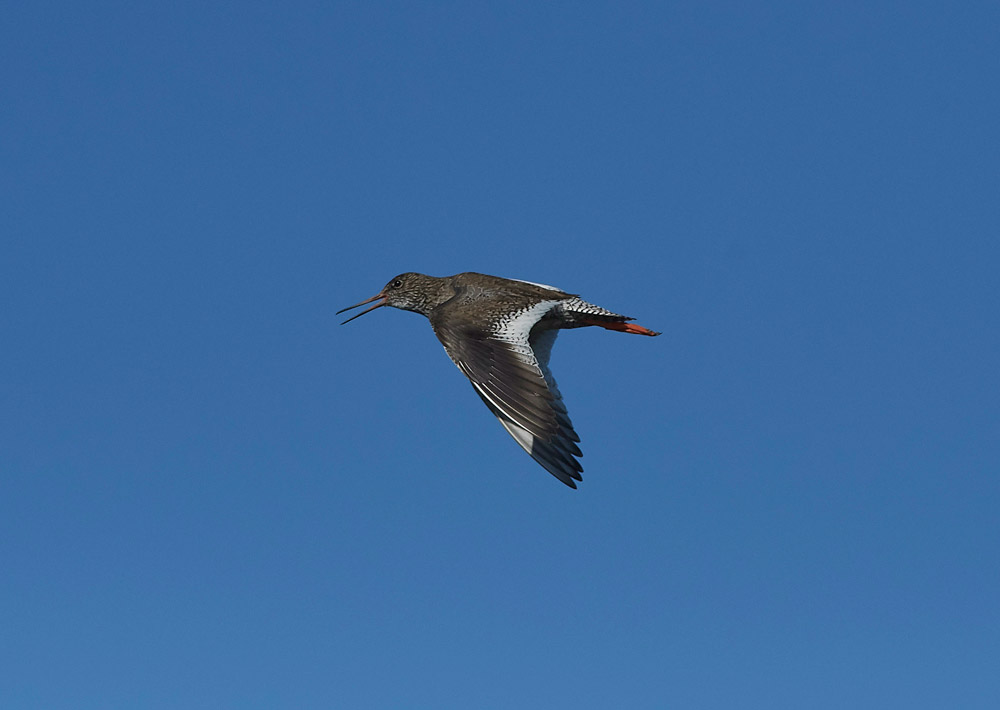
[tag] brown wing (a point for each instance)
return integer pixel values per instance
(506, 373)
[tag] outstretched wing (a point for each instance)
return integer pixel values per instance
(508, 367)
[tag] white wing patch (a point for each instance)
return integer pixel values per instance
(515, 329)
(542, 348)
(523, 437)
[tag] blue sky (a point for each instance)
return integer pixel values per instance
(214, 496)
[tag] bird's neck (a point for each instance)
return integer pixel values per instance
(433, 292)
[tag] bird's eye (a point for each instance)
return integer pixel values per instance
(397, 283)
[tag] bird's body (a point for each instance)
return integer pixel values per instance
(500, 334)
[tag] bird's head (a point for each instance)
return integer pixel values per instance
(409, 292)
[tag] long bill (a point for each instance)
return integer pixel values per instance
(367, 310)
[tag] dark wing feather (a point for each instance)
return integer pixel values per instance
(509, 377)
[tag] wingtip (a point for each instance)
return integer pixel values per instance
(569, 478)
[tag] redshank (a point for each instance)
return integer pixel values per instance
(500, 334)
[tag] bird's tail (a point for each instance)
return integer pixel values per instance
(576, 313)
(621, 327)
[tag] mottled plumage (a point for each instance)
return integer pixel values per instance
(500, 333)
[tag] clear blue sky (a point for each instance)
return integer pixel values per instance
(214, 496)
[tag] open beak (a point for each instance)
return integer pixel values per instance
(367, 310)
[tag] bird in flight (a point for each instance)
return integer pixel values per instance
(500, 334)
